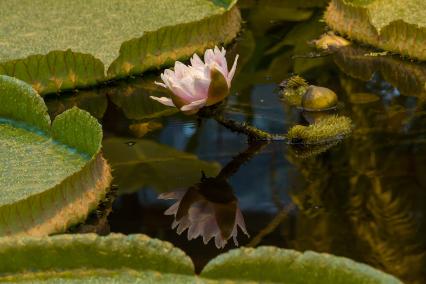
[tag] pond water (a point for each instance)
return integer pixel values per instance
(363, 197)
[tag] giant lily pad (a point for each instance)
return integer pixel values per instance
(57, 44)
(51, 174)
(139, 259)
(394, 25)
(142, 162)
(276, 265)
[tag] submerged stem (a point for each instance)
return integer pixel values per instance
(233, 166)
(272, 226)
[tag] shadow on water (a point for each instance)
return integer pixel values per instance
(364, 198)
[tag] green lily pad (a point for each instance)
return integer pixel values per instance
(393, 25)
(274, 265)
(58, 45)
(140, 162)
(363, 98)
(89, 258)
(51, 174)
(138, 259)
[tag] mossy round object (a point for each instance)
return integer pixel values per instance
(319, 98)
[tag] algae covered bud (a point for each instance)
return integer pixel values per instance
(323, 131)
(297, 92)
(293, 89)
(318, 98)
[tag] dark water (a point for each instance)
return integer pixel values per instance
(363, 198)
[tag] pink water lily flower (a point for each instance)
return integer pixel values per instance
(198, 84)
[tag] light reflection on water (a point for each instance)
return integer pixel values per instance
(364, 198)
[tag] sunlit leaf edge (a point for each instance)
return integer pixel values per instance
(71, 200)
(289, 266)
(92, 258)
(354, 20)
(59, 70)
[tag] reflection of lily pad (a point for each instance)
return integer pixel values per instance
(134, 100)
(51, 175)
(299, 38)
(57, 44)
(393, 25)
(363, 98)
(147, 163)
(408, 77)
(94, 102)
(139, 259)
(267, 14)
(140, 129)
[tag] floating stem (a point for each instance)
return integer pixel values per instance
(252, 132)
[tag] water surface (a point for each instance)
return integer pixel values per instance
(363, 198)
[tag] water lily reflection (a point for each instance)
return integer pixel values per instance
(208, 209)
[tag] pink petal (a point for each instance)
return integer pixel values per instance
(201, 87)
(232, 71)
(208, 56)
(180, 70)
(163, 100)
(181, 93)
(172, 210)
(220, 242)
(223, 51)
(168, 76)
(187, 84)
(183, 225)
(194, 231)
(175, 224)
(160, 84)
(194, 105)
(239, 221)
(217, 57)
(178, 194)
(196, 61)
(221, 61)
(210, 230)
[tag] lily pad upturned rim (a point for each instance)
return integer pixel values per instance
(60, 70)
(116, 256)
(401, 34)
(69, 200)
